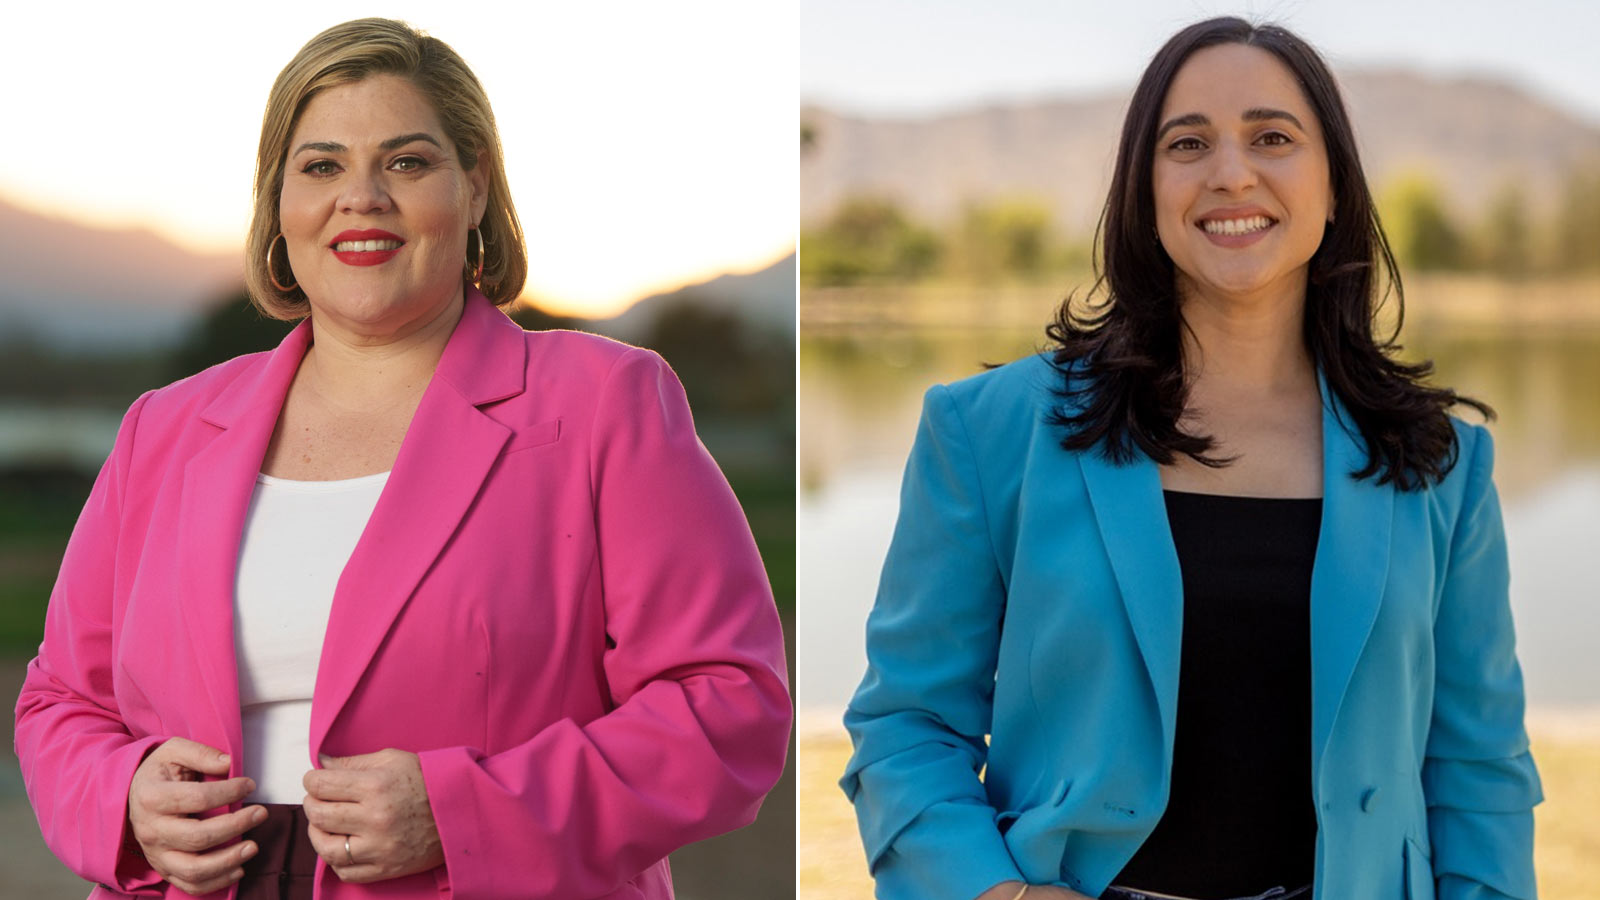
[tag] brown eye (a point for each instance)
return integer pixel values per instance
(320, 167)
(1276, 139)
(408, 164)
(1187, 144)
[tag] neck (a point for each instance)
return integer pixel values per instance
(1249, 344)
(362, 368)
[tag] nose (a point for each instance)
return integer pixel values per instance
(1232, 170)
(364, 191)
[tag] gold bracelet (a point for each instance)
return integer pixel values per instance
(1020, 893)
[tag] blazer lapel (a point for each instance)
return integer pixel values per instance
(217, 485)
(1351, 567)
(1352, 564)
(1132, 515)
(447, 453)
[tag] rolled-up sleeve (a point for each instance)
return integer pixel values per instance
(920, 717)
(1478, 776)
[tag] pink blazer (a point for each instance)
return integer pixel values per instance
(557, 604)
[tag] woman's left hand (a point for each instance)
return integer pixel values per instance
(376, 801)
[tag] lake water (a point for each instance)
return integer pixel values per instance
(860, 399)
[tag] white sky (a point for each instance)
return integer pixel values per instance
(913, 56)
(648, 144)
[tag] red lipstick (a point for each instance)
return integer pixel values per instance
(365, 257)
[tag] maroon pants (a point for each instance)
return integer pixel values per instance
(285, 867)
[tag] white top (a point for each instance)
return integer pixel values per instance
(298, 535)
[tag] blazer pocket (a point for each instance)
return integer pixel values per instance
(1419, 872)
(533, 436)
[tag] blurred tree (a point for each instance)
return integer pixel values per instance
(1010, 236)
(233, 327)
(1420, 229)
(727, 371)
(1504, 246)
(34, 372)
(1577, 233)
(1074, 256)
(808, 137)
(868, 239)
(533, 318)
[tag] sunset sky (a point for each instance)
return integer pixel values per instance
(648, 145)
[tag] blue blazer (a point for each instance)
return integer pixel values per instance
(1033, 595)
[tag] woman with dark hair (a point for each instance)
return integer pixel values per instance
(1219, 541)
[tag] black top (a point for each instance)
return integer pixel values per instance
(1240, 818)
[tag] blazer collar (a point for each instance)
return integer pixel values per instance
(1346, 582)
(487, 357)
(444, 458)
(444, 461)
(1352, 566)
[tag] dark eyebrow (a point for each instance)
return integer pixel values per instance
(1253, 114)
(390, 144)
(1182, 121)
(404, 139)
(1262, 114)
(320, 147)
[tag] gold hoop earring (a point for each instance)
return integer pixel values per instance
(477, 268)
(272, 275)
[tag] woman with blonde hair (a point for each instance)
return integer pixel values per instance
(418, 603)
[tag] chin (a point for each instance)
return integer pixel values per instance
(1245, 281)
(1239, 287)
(359, 306)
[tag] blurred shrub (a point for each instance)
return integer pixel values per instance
(1422, 231)
(1009, 236)
(1505, 246)
(231, 328)
(868, 239)
(533, 318)
(726, 368)
(1577, 237)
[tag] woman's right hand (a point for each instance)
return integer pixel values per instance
(163, 798)
(1007, 890)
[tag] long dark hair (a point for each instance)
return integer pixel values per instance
(1121, 360)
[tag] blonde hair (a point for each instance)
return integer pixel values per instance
(348, 53)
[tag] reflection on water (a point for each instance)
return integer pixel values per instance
(860, 396)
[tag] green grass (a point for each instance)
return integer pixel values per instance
(767, 495)
(37, 512)
(23, 598)
(38, 509)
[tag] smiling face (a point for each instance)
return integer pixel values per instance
(376, 207)
(1240, 177)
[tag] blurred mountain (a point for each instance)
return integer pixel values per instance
(79, 287)
(1472, 136)
(763, 299)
